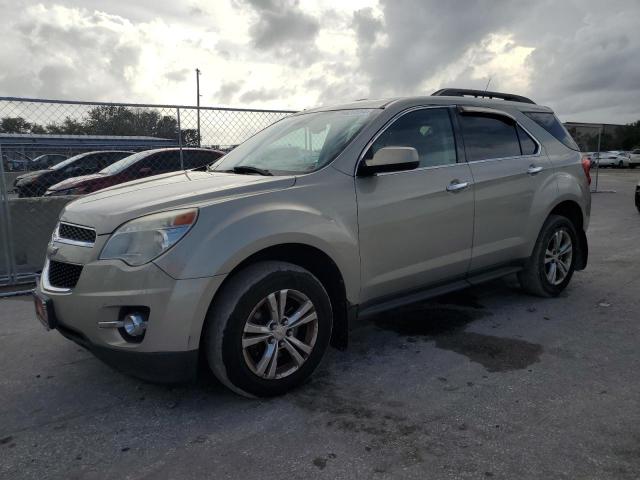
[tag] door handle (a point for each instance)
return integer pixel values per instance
(534, 170)
(456, 186)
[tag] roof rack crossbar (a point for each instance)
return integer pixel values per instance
(462, 92)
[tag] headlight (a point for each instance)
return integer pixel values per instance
(141, 240)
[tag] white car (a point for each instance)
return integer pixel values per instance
(613, 158)
(634, 158)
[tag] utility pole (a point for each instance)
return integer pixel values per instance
(198, 101)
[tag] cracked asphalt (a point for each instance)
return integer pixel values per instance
(485, 383)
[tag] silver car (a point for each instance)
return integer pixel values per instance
(258, 265)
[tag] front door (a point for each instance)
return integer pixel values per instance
(415, 226)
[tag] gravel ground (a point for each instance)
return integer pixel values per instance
(486, 383)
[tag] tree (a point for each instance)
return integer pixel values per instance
(109, 120)
(189, 137)
(14, 125)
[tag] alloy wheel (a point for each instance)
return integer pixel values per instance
(558, 257)
(279, 334)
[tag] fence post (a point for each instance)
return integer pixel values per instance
(598, 162)
(7, 239)
(180, 138)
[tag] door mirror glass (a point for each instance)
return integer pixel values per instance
(391, 159)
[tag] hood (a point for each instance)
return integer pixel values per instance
(75, 181)
(107, 209)
(29, 176)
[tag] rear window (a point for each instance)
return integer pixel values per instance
(551, 124)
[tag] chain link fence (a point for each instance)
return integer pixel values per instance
(607, 145)
(53, 151)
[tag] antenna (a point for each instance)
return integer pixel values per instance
(488, 82)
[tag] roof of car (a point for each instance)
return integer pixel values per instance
(432, 100)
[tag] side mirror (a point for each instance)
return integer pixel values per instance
(390, 159)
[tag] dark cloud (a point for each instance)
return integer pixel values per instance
(283, 29)
(367, 27)
(227, 91)
(583, 63)
(70, 61)
(177, 75)
(263, 95)
(583, 59)
(424, 36)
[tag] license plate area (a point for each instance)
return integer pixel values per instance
(44, 310)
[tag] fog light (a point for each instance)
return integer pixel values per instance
(134, 324)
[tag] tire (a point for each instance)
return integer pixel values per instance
(244, 297)
(534, 279)
(620, 164)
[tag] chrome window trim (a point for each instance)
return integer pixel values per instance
(68, 241)
(44, 277)
(434, 167)
(386, 126)
(532, 155)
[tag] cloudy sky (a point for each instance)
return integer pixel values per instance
(580, 57)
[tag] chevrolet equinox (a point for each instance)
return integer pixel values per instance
(256, 265)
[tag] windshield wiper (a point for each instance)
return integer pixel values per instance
(243, 169)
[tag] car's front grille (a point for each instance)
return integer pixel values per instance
(66, 231)
(64, 275)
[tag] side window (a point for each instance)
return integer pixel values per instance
(429, 131)
(488, 137)
(163, 162)
(86, 164)
(527, 145)
(199, 158)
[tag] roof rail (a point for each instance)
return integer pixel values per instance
(462, 92)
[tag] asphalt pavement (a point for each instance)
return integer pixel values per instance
(485, 383)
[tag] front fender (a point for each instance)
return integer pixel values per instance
(227, 233)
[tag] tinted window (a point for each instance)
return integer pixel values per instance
(429, 131)
(527, 145)
(199, 158)
(551, 124)
(162, 162)
(488, 137)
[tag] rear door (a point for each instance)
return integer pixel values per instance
(508, 169)
(415, 226)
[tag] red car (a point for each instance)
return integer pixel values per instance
(138, 165)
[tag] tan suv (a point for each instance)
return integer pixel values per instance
(259, 263)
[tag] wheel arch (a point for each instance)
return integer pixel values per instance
(322, 266)
(571, 210)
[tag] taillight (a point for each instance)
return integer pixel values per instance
(586, 166)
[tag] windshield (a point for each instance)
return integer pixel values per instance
(123, 164)
(297, 144)
(66, 162)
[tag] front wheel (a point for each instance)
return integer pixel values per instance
(551, 265)
(268, 329)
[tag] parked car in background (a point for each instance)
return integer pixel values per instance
(613, 158)
(255, 265)
(35, 184)
(45, 161)
(634, 158)
(136, 166)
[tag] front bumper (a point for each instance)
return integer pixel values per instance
(177, 308)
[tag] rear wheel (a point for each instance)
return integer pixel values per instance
(268, 329)
(551, 265)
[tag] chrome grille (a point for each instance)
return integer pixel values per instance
(77, 234)
(64, 275)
